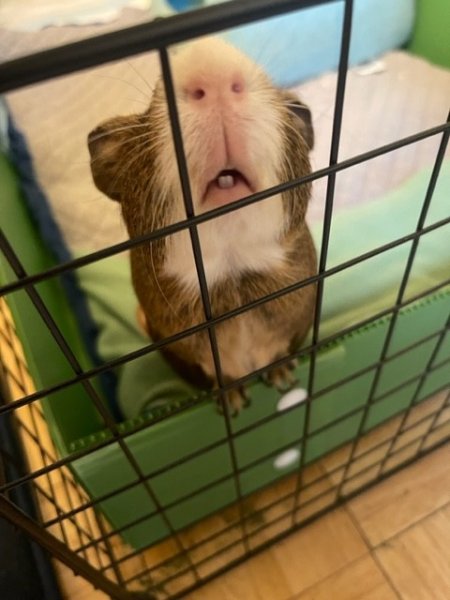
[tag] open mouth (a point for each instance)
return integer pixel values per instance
(229, 185)
(229, 178)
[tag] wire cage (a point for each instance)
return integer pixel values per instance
(75, 526)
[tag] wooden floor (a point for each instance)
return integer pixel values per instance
(391, 542)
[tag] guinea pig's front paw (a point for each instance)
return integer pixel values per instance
(282, 377)
(236, 399)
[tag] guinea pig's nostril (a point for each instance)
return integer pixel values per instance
(237, 87)
(198, 94)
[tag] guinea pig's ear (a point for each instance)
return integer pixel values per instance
(107, 143)
(306, 127)
(303, 113)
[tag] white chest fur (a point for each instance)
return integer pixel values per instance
(247, 239)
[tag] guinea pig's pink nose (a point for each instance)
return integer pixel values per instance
(216, 89)
(197, 93)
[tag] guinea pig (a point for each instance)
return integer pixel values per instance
(241, 135)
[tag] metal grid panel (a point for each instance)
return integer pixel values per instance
(71, 525)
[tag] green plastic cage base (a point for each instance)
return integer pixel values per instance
(165, 442)
(75, 424)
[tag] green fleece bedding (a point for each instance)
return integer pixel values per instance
(349, 296)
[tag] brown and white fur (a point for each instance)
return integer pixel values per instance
(241, 135)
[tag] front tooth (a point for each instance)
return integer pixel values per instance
(225, 181)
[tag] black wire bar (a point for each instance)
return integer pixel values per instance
(53, 328)
(45, 459)
(435, 423)
(331, 183)
(279, 500)
(153, 35)
(109, 550)
(198, 258)
(158, 35)
(290, 529)
(286, 497)
(105, 442)
(401, 292)
(269, 418)
(93, 257)
(259, 512)
(273, 540)
(227, 477)
(112, 364)
(416, 395)
(220, 480)
(79, 454)
(265, 508)
(248, 467)
(52, 497)
(10, 512)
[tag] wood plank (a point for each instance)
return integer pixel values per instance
(56, 492)
(319, 550)
(360, 580)
(371, 449)
(259, 578)
(405, 498)
(76, 588)
(291, 566)
(418, 560)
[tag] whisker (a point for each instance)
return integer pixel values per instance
(145, 94)
(151, 88)
(152, 261)
(287, 125)
(100, 197)
(117, 130)
(131, 150)
(262, 56)
(134, 154)
(144, 102)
